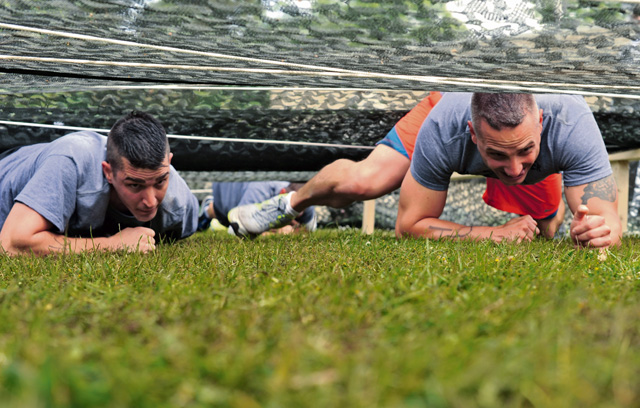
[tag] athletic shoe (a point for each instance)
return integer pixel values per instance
(231, 231)
(308, 219)
(253, 219)
(203, 219)
(312, 224)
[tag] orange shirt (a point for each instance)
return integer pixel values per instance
(408, 127)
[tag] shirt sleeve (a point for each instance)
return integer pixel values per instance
(51, 191)
(190, 222)
(179, 210)
(585, 158)
(430, 165)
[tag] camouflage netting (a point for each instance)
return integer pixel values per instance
(276, 89)
(83, 44)
(281, 130)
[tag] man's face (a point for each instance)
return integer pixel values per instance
(139, 191)
(509, 152)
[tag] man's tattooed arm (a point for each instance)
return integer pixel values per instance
(604, 189)
(458, 234)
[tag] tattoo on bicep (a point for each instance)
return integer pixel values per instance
(604, 189)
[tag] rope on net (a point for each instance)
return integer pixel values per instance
(529, 86)
(192, 137)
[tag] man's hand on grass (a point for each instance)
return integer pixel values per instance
(135, 239)
(518, 229)
(589, 230)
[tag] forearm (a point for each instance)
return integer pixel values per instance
(45, 243)
(595, 213)
(613, 221)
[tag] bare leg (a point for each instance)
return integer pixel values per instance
(342, 182)
(549, 227)
(336, 185)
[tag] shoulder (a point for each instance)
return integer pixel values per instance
(87, 150)
(81, 145)
(454, 102)
(446, 130)
(562, 106)
(565, 116)
(179, 206)
(178, 194)
(568, 119)
(82, 139)
(451, 114)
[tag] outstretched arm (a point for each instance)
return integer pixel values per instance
(420, 207)
(595, 207)
(26, 231)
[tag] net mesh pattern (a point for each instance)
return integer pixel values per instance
(329, 43)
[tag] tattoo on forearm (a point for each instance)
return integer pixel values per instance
(458, 233)
(604, 189)
(461, 235)
(61, 244)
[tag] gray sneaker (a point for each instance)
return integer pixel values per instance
(311, 224)
(252, 220)
(308, 219)
(204, 222)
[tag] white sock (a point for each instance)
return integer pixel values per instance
(289, 209)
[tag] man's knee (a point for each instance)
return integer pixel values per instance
(356, 189)
(549, 227)
(361, 182)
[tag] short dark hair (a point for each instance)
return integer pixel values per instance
(501, 109)
(140, 138)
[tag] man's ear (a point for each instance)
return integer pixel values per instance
(108, 171)
(170, 157)
(540, 117)
(473, 133)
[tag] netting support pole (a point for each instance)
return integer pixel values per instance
(369, 217)
(621, 174)
(620, 165)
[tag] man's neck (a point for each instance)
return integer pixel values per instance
(116, 203)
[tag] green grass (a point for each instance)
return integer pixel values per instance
(330, 319)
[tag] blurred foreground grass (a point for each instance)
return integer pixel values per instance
(329, 319)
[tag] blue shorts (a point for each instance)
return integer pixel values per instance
(393, 141)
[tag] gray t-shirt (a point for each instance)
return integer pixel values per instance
(570, 143)
(63, 181)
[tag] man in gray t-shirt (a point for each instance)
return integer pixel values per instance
(518, 139)
(85, 191)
